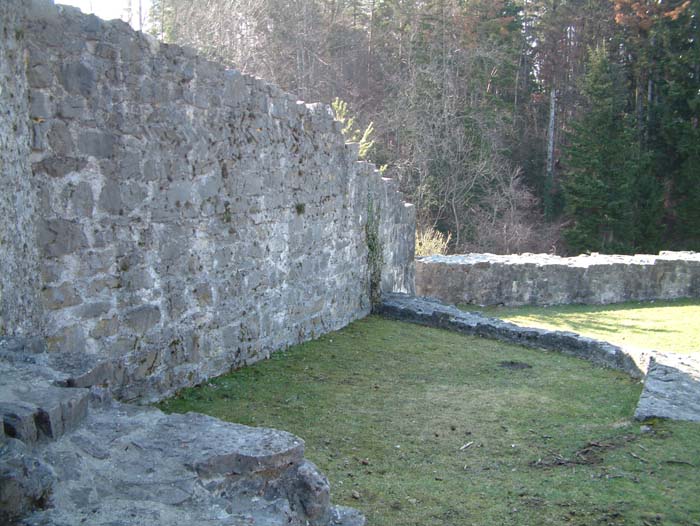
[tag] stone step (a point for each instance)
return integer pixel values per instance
(133, 465)
(46, 412)
(32, 407)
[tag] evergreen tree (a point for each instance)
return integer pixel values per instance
(609, 192)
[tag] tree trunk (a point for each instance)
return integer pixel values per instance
(549, 179)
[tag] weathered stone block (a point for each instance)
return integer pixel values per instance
(78, 78)
(136, 279)
(82, 200)
(110, 198)
(60, 410)
(96, 143)
(40, 106)
(133, 196)
(18, 419)
(60, 138)
(26, 483)
(67, 339)
(58, 237)
(65, 295)
(311, 490)
(670, 392)
(101, 286)
(40, 76)
(94, 310)
(105, 328)
(57, 166)
(143, 318)
(40, 130)
(72, 107)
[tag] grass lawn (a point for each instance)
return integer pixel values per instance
(418, 426)
(672, 326)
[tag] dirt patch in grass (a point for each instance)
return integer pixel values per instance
(510, 364)
(670, 326)
(592, 453)
(418, 426)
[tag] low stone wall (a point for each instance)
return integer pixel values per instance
(165, 219)
(433, 313)
(541, 279)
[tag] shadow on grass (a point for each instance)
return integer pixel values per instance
(584, 326)
(672, 326)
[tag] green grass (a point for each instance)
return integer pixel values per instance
(387, 410)
(672, 326)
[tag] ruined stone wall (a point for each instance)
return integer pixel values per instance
(187, 219)
(541, 279)
(20, 310)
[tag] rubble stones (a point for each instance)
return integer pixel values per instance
(73, 456)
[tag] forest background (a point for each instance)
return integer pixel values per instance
(562, 126)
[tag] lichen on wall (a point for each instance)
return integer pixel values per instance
(190, 219)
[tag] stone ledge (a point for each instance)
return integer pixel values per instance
(140, 466)
(670, 391)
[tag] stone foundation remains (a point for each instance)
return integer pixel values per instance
(541, 279)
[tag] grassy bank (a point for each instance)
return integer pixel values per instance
(418, 426)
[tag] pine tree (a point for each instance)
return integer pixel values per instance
(607, 180)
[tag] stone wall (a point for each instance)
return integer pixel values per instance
(175, 219)
(541, 279)
(20, 309)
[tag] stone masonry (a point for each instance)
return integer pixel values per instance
(166, 219)
(72, 455)
(20, 307)
(542, 279)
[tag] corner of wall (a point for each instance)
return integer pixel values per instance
(396, 234)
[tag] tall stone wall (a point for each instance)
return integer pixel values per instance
(20, 310)
(187, 219)
(541, 279)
